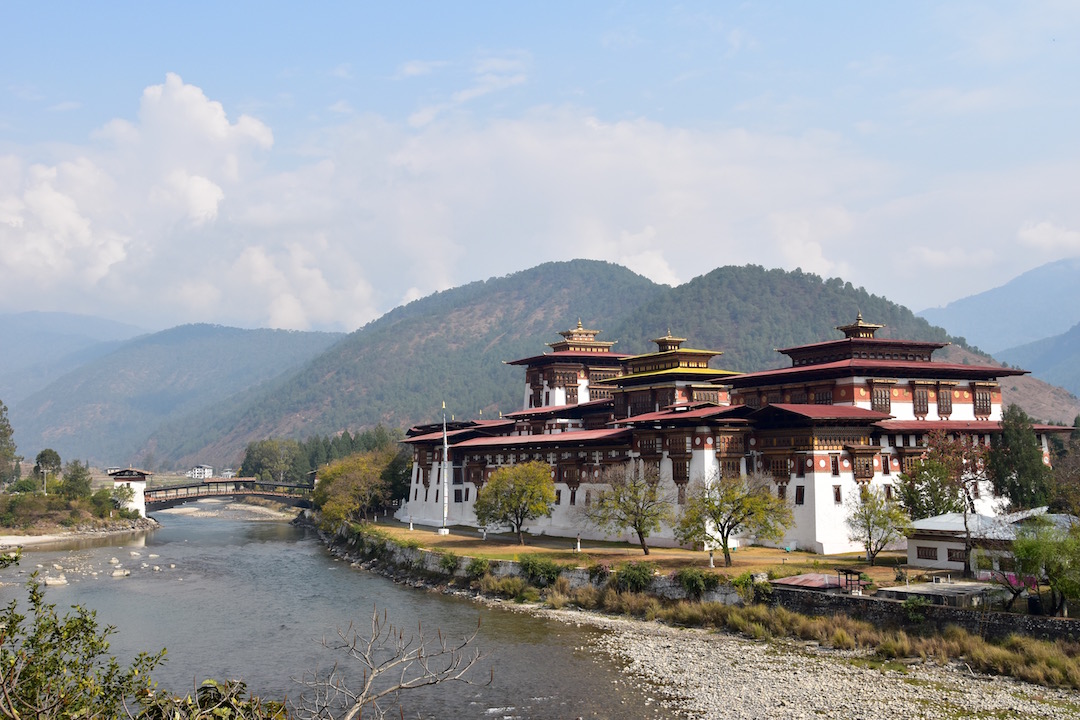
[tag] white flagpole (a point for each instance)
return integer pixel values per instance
(447, 468)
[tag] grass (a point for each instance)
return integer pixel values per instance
(504, 546)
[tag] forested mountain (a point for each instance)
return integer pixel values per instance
(1041, 303)
(1055, 359)
(398, 369)
(750, 312)
(451, 346)
(39, 347)
(106, 409)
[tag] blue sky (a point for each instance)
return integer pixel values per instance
(264, 164)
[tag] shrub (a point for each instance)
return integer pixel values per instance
(449, 562)
(634, 576)
(539, 570)
(914, 608)
(477, 568)
(599, 573)
(586, 596)
(507, 587)
(696, 582)
(841, 640)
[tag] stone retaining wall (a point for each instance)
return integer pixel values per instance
(882, 611)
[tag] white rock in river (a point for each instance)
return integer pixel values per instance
(57, 566)
(153, 555)
(120, 572)
(157, 569)
(58, 580)
(135, 554)
(113, 561)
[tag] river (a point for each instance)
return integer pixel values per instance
(240, 597)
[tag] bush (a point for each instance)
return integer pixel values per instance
(511, 587)
(696, 582)
(586, 597)
(634, 577)
(915, 609)
(599, 573)
(477, 568)
(449, 562)
(539, 570)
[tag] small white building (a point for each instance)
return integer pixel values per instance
(201, 472)
(136, 480)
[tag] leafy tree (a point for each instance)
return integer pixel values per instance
(928, 491)
(515, 495)
(9, 457)
(76, 480)
(959, 465)
(121, 495)
(726, 506)
(47, 462)
(348, 489)
(1015, 463)
(635, 499)
(1052, 555)
(57, 666)
(875, 521)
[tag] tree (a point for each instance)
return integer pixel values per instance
(635, 499)
(954, 466)
(76, 480)
(1051, 554)
(875, 521)
(515, 495)
(1015, 463)
(348, 489)
(725, 506)
(47, 463)
(392, 661)
(9, 457)
(53, 666)
(271, 461)
(928, 491)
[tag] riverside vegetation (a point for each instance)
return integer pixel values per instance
(623, 589)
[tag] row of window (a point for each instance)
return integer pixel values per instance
(924, 552)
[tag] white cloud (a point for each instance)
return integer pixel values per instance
(417, 68)
(66, 106)
(1047, 236)
(490, 75)
(184, 213)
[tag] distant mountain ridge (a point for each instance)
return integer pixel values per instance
(104, 409)
(1055, 359)
(451, 347)
(42, 346)
(200, 393)
(1041, 303)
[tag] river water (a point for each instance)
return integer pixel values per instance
(244, 598)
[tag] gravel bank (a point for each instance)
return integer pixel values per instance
(717, 675)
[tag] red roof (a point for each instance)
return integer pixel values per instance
(557, 409)
(827, 412)
(679, 412)
(479, 426)
(561, 438)
(569, 356)
(859, 366)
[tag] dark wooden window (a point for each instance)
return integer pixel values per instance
(778, 468)
(781, 491)
(834, 461)
(888, 492)
(921, 401)
(956, 555)
(457, 495)
(837, 496)
(823, 397)
(798, 398)
(880, 399)
(886, 464)
(982, 402)
(800, 466)
(573, 496)
(558, 497)
(926, 553)
(800, 494)
(944, 401)
(680, 472)
(681, 494)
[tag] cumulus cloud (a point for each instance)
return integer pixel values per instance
(184, 213)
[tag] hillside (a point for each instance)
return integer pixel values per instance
(399, 368)
(1041, 303)
(1055, 359)
(451, 346)
(105, 409)
(42, 346)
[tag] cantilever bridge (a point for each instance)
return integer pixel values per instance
(172, 495)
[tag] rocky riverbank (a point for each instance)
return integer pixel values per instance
(718, 675)
(707, 674)
(112, 527)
